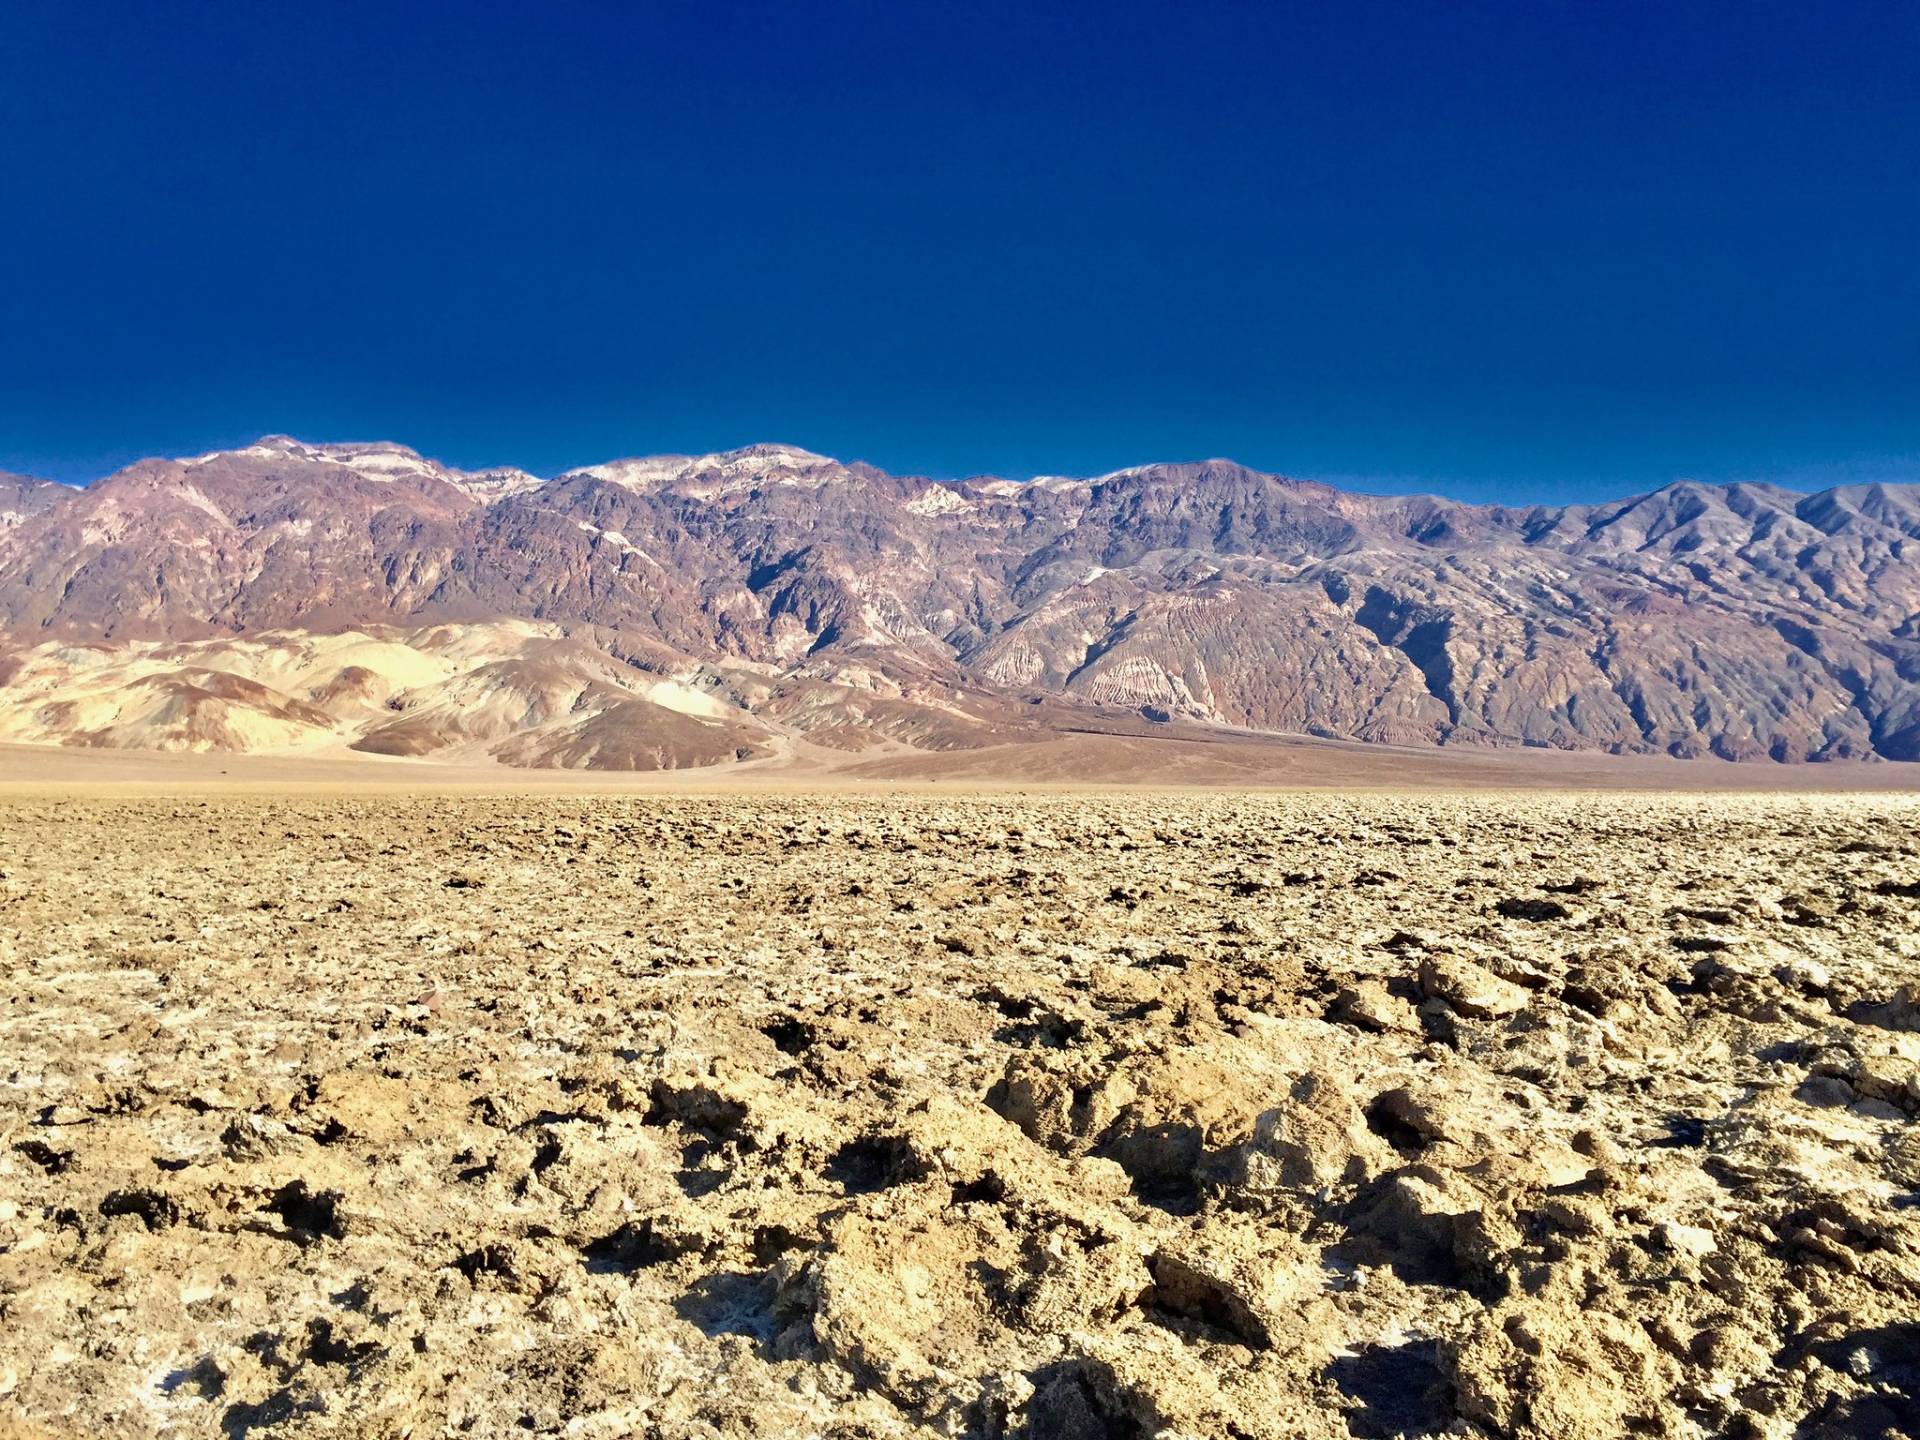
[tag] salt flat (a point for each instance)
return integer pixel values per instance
(380, 1113)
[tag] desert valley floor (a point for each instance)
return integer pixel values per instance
(1064, 1114)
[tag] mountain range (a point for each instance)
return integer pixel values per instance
(681, 610)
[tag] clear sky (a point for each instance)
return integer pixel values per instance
(1528, 250)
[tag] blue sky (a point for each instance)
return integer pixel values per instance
(1514, 251)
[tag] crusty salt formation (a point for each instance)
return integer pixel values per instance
(1061, 1115)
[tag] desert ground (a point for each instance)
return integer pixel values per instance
(381, 1110)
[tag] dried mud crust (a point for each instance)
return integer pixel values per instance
(1059, 1116)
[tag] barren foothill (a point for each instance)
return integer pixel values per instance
(1064, 1114)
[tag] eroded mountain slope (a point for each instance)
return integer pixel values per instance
(1743, 621)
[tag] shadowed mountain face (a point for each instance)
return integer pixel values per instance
(1747, 622)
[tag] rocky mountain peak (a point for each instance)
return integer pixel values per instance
(749, 463)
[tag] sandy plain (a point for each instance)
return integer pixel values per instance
(344, 1107)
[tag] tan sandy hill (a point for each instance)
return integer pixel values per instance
(516, 693)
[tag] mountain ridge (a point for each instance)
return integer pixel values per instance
(281, 443)
(1741, 620)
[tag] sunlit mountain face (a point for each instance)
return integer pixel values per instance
(686, 609)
